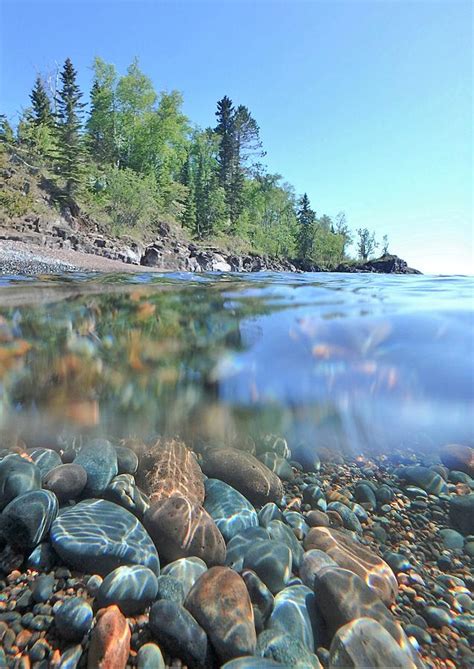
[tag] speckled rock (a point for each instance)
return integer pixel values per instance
(180, 528)
(271, 561)
(220, 602)
(295, 613)
(231, 512)
(179, 634)
(174, 470)
(357, 558)
(289, 651)
(365, 643)
(99, 459)
(132, 589)
(66, 481)
(170, 588)
(186, 571)
(17, 476)
(245, 473)
(109, 646)
(26, 520)
(98, 536)
(73, 619)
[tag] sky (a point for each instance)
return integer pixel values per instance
(366, 105)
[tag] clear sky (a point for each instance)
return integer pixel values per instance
(366, 105)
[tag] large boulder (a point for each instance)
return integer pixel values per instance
(458, 457)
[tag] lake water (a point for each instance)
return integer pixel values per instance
(349, 362)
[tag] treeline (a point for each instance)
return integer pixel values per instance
(131, 159)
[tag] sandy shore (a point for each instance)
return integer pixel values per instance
(21, 258)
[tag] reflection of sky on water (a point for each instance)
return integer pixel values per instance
(337, 360)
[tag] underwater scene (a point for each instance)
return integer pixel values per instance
(240, 471)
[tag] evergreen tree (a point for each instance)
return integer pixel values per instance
(69, 109)
(188, 216)
(227, 150)
(101, 130)
(6, 131)
(305, 236)
(247, 136)
(42, 113)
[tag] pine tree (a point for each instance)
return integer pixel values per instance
(305, 235)
(188, 217)
(42, 113)
(69, 110)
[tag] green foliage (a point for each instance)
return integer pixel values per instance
(101, 124)
(15, 203)
(6, 131)
(42, 114)
(69, 111)
(366, 243)
(306, 228)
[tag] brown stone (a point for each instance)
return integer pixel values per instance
(66, 481)
(220, 602)
(458, 457)
(180, 529)
(110, 640)
(351, 555)
(245, 473)
(174, 471)
(317, 519)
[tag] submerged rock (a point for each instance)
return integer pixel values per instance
(98, 536)
(231, 511)
(99, 459)
(66, 481)
(220, 602)
(458, 457)
(271, 561)
(244, 472)
(45, 459)
(26, 520)
(186, 571)
(109, 646)
(261, 598)
(461, 513)
(289, 651)
(132, 589)
(17, 476)
(295, 613)
(73, 619)
(357, 558)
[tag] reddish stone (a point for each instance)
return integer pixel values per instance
(317, 519)
(110, 640)
(355, 557)
(220, 602)
(458, 457)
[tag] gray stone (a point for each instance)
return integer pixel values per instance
(45, 459)
(99, 459)
(150, 656)
(272, 562)
(229, 509)
(461, 513)
(289, 651)
(132, 589)
(186, 571)
(295, 613)
(278, 531)
(73, 619)
(26, 520)
(17, 476)
(313, 561)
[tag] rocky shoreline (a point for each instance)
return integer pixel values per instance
(151, 555)
(167, 252)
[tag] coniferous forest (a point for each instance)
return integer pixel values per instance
(129, 158)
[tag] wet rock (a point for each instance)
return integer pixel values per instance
(269, 512)
(244, 472)
(93, 584)
(231, 512)
(45, 459)
(261, 598)
(66, 481)
(314, 496)
(43, 587)
(127, 460)
(174, 472)
(316, 518)
(253, 662)
(271, 561)
(282, 647)
(297, 522)
(73, 619)
(132, 589)
(26, 520)
(451, 539)
(459, 457)
(170, 588)
(99, 459)
(178, 633)
(425, 478)
(397, 561)
(461, 513)
(123, 491)
(365, 495)
(109, 646)
(357, 558)
(150, 657)
(365, 643)
(98, 536)
(278, 531)
(295, 613)
(384, 494)
(349, 518)
(220, 602)
(240, 543)
(343, 596)
(42, 558)
(186, 571)
(436, 616)
(278, 465)
(180, 528)
(313, 561)
(17, 477)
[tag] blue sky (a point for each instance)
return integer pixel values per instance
(366, 105)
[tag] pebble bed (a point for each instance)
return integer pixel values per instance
(255, 560)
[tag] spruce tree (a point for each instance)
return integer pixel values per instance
(227, 150)
(305, 236)
(42, 113)
(188, 216)
(68, 122)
